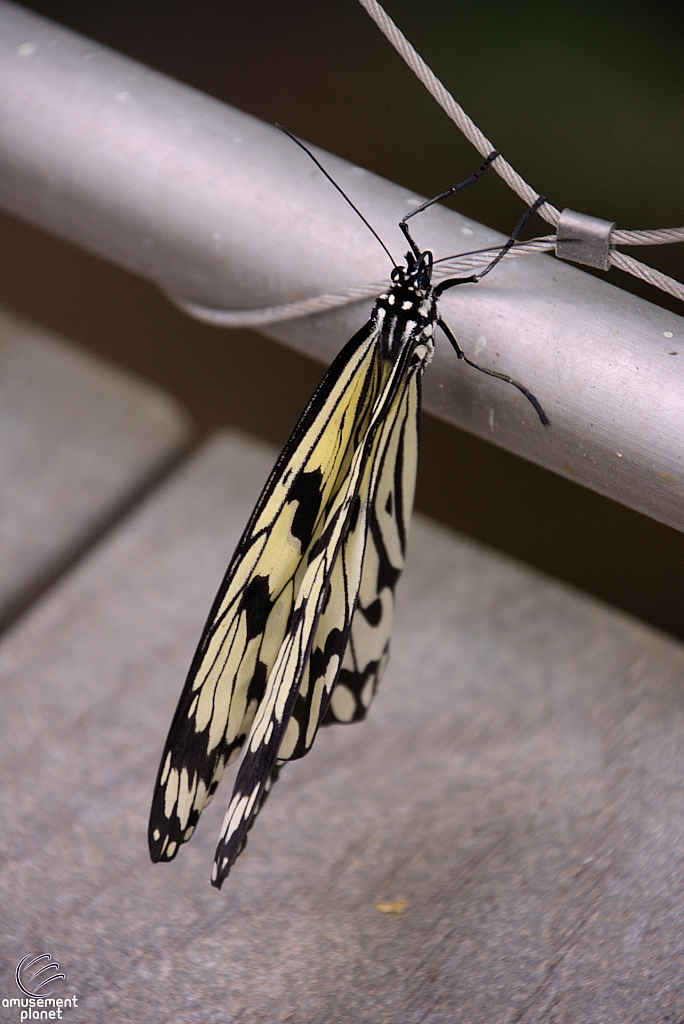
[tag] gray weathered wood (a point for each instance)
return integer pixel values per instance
(518, 782)
(78, 439)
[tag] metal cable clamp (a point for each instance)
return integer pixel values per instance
(584, 239)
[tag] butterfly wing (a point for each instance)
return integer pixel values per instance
(313, 649)
(387, 535)
(253, 608)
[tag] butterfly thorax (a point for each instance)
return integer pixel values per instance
(407, 313)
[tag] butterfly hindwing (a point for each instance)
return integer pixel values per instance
(387, 534)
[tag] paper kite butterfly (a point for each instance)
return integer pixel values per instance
(298, 635)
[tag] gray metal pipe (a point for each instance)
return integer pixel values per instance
(219, 208)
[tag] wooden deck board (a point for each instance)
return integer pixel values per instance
(518, 783)
(78, 440)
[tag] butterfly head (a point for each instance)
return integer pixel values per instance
(416, 275)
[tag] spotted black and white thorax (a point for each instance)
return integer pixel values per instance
(406, 315)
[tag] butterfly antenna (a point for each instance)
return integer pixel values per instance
(344, 195)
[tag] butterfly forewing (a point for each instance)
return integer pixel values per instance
(252, 610)
(309, 661)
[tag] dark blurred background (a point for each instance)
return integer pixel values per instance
(584, 98)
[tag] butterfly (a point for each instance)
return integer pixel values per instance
(298, 634)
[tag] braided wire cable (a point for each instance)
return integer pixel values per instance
(461, 264)
(656, 236)
(321, 303)
(454, 110)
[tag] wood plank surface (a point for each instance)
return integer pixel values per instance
(518, 784)
(78, 440)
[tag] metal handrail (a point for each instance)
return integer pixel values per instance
(222, 210)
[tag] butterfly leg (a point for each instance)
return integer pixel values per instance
(451, 282)
(443, 195)
(493, 373)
